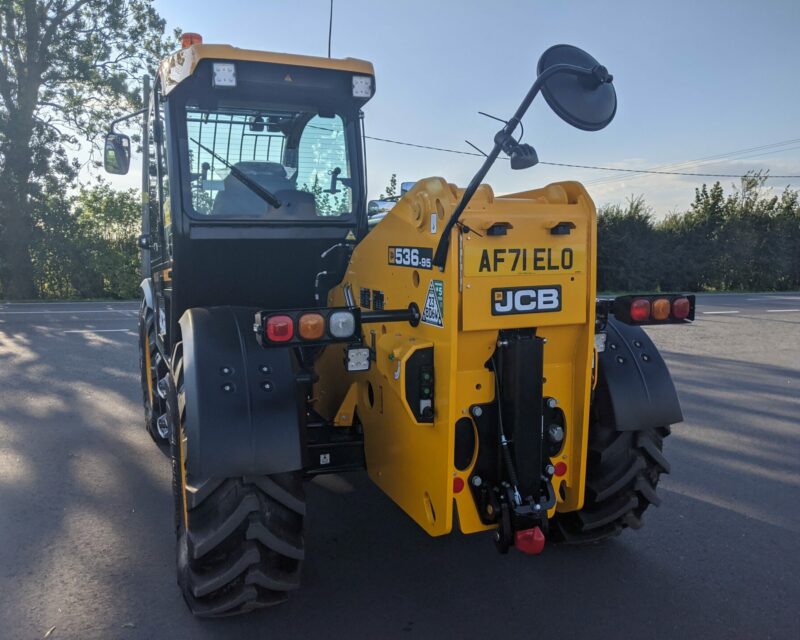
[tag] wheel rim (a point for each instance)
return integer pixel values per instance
(162, 426)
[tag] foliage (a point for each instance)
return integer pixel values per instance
(85, 246)
(746, 240)
(327, 203)
(626, 252)
(66, 68)
(391, 189)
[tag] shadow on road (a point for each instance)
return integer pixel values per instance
(87, 541)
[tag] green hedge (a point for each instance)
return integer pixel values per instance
(746, 240)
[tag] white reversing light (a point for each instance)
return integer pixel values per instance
(362, 86)
(224, 74)
(342, 324)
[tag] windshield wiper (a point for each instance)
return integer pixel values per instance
(269, 197)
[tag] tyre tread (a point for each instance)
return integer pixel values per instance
(244, 546)
(622, 473)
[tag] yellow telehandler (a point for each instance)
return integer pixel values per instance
(456, 350)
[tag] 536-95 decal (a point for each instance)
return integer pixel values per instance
(416, 257)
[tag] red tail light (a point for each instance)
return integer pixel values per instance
(280, 328)
(645, 309)
(681, 308)
(640, 310)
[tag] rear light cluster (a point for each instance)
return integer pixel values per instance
(305, 327)
(653, 309)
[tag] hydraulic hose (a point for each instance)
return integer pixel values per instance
(506, 452)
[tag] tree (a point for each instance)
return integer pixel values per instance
(108, 223)
(84, 245)
(391, 189)
(66, 68)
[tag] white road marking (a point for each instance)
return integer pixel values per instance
(97, 330)
(712, 313)
(782, 310)
(11, 313)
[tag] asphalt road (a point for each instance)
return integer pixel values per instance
(85, 510)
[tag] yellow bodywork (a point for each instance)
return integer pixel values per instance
(414, 462)
(175, 68)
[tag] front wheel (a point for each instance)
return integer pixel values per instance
(239, 540)
(149, 365)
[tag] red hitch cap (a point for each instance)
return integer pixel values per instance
(530, 541)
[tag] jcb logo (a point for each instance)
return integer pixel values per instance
(513, 300)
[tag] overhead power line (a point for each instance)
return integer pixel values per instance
(752, 152)
(652, 171)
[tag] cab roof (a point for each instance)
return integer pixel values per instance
(178, 66)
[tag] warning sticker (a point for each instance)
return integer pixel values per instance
(433, 313)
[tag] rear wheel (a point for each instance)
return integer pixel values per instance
(623, 469)
(149, 365)
(239, 540)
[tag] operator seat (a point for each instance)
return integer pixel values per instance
(238, 200)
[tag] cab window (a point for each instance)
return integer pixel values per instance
(243, 161)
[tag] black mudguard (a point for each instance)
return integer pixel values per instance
(638, 381)
(243, 407)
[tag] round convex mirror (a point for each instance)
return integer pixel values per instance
(583, 101)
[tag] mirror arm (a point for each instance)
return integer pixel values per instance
(501, 140)
(123, 118)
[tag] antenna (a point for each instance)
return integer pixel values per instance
(330, 29)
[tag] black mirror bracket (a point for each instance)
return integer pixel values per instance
(522, 156)
(600, 75)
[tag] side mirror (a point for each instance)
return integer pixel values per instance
(257, 124)
(117, 153)
(376, 207)
(577, 87)
(587, 101)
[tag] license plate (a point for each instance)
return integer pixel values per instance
(506, 261)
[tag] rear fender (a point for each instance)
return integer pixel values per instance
(243, 407)
(639, 384)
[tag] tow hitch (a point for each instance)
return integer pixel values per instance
(530, 541)
(521, 525)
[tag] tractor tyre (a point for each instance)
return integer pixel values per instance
(239, 540)
(622, 473)
(148, 368)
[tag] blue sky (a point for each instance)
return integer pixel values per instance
(693, 78)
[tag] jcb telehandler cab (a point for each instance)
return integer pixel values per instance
(456, 349)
